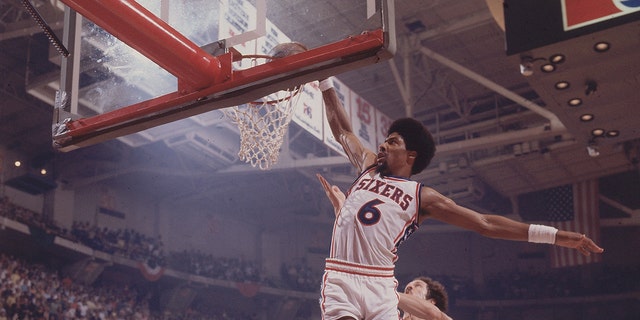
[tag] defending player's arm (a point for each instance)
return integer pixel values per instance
(439, 207)
(341, 128)
(420, 308)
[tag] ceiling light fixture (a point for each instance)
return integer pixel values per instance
(613, 133)
(592, 150)
(415, 26)
(548, 67)
(526, 66)
(601, 46)
(586, 117)
(17, 163)
(574, 102)
(590, 87)
(557, 58)
(561, 85)
(598, 132)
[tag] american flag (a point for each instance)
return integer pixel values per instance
(574, 208)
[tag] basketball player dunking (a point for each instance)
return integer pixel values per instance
(383, 207)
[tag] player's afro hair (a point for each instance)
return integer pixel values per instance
(417, 138)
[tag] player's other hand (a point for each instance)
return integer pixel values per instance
(335, 195)
(577, 241)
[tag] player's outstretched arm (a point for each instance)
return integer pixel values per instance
(420, 308)
(439, 207)
(342, 130)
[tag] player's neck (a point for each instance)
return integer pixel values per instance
(397, 173)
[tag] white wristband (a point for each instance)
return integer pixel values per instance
(326, 84)
(542, 234)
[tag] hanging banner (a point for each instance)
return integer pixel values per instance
(580, 13)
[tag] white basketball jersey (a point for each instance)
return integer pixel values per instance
(378, 214)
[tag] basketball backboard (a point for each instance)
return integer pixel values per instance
(136, 66)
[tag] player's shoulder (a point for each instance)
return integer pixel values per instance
(432, 195)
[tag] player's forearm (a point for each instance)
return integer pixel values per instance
(420, 308)
(341, 127)
(504, 228)
(336, 114)
(537, 233)
(508, 229)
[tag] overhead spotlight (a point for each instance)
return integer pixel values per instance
(561, 85)
(526, 66)
(613, 133)
(574, 102)
(598, 132)
(17, 163)
(586, 117)
(517, 149)
(557, 58)
(535, 145)
(415, 26)
(592, 150)
(601, 46)
(548, 67)
(590, 87)
(526, 147)
(43, 171)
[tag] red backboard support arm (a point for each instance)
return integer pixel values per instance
(143, 31)
(209, 82)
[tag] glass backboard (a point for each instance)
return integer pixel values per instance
(154, 70)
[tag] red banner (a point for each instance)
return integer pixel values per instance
(248, 289)
(579, 13)
(150, 273)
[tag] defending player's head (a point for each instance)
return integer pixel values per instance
(429, 289)
(416, 138)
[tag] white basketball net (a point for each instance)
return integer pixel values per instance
(263, 125)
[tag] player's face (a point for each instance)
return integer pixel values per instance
(417, 288)
(392, 154)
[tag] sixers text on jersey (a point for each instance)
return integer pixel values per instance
(387, 190)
